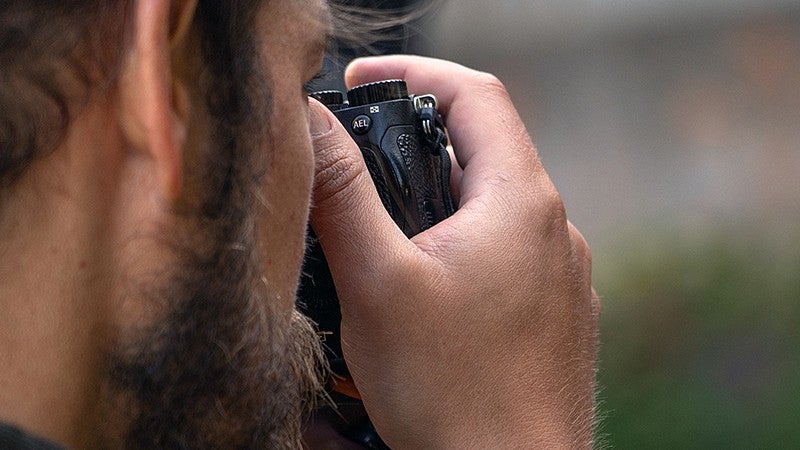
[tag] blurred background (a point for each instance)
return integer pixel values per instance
(672, 130)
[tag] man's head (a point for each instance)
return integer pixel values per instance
(156, 167)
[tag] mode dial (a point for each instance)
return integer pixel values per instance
(382, 91)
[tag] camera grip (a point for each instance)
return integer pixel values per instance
(405, 151)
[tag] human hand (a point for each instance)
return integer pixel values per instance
(481, 331)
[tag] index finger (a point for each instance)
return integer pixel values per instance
(489, 137)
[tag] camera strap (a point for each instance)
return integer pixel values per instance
(434, 130)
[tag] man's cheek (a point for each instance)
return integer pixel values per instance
(282, 220)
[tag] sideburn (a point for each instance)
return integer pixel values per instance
(224, 367)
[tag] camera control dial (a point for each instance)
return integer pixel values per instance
(334, 100)
(382, 91)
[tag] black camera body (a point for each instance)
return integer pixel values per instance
(404, 144)
(397, 135)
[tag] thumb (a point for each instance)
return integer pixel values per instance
(347, 215)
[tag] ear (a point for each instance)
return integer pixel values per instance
(153, 98)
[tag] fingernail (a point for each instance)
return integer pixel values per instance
(320, 119)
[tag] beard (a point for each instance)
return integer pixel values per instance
(224, 365)
(220, 369)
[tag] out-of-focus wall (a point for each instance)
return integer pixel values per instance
(685, 111)
(672, 130)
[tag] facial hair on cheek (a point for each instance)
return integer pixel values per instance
(212, 375)
(223, 367)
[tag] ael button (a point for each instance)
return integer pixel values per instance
(362, 124)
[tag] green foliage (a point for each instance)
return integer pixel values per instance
(700, 342)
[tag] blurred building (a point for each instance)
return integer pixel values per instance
(645, 111)
(672, 130)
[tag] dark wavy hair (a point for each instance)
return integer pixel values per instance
(52, 52)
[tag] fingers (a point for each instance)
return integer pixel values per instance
(447, 80)
(582, 266)
(597, 305)
(489, 138)
(581, 251)
(455, 177)
(347, 214)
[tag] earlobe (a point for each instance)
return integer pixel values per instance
(154, 103)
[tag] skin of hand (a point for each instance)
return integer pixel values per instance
(482, 331)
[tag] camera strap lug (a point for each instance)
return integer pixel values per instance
(431, 122)
(425, 105)
(434, 130)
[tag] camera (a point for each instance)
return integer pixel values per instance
(404, 144)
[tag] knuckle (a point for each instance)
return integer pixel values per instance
(490, 83)
(581, 246)
(587, 254)
(596, 305)
(552, 210)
